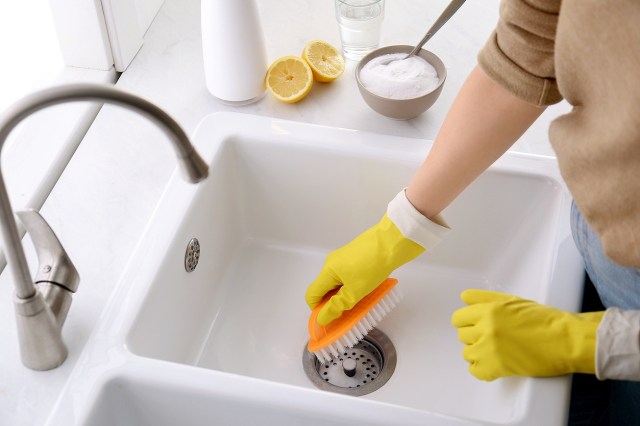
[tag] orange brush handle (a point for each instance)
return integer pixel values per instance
(323, 336)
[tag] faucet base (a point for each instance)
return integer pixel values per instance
(41, 344)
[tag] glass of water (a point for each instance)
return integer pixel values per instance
(360, 23)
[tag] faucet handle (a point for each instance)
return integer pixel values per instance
(55, 266)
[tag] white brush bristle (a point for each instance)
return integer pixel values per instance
(362, 328)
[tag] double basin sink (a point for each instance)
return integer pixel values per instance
(224, 343)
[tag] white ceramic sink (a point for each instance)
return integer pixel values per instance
(228, 337)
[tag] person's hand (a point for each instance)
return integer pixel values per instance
(360, 266)
(509, 336)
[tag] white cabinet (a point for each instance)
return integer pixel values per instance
(99, 34)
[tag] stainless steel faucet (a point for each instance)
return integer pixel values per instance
(42, 304)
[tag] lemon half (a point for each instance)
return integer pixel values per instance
(325, 61)
(289, 79)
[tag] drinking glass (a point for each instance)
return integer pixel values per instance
(360, 22)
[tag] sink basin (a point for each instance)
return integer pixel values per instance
(280, 196)
(137, 395)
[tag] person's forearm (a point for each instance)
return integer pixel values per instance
(483, 122)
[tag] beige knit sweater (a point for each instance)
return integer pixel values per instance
(587, 51)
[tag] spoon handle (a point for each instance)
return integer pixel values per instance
(444, 17)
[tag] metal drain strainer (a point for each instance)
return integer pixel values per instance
(357, 371)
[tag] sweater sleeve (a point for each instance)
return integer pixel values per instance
(618, 345)
(519, 55)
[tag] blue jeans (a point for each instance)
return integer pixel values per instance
(617, 286)
(596, 402)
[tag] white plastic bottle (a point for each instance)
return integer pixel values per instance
(234, 53)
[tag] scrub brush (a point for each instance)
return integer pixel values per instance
(330, 341)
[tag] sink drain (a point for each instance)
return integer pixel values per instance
(192, 255)
(357, 371)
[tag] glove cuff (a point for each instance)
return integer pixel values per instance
(582, 333)
(414, 225)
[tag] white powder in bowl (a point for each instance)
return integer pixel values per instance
(405, 79)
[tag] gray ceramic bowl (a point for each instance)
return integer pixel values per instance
(402, 109)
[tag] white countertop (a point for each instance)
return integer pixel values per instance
(106, 195)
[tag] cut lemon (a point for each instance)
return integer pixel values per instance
(325, 61)
(289, 79)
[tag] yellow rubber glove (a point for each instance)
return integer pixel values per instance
(360, 266)
(509, 336)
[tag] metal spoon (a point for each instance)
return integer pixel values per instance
(442, 19)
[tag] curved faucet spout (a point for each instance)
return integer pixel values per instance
(193, 166)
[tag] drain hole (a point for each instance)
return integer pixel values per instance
(192, 255)
(352, 373)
